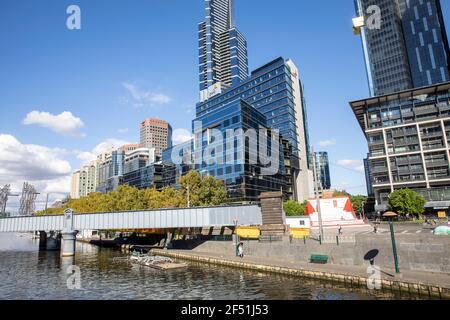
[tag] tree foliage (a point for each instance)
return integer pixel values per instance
(294, 208)
(203, 192)
(358, 203)
(406, 202)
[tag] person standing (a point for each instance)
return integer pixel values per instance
(241, 250)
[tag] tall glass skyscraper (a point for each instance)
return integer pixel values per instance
(275, 90)
(323, 170)
(223, 58)
(231, 157)
(409, 49)
(426, 41)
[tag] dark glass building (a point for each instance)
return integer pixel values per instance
(410, 47)
(110, 171)
(275, 90)
(177, 161)
(227, 139)
(145, 177)
(323, 170)
(369, 176)
(426, 41)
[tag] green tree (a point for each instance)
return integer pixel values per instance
(208, 191)
(406, 202)
(358, 203)
(203, 192)
(190, 188)
(212, 192)
(294, 208)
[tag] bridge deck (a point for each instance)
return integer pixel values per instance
(149, 219)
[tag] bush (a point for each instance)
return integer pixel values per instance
(294, 208)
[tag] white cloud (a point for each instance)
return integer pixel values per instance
(64, 123)
(31, 161)
(142, 98)
(85, 156)
(41, 166)
(180, 136)
(109, 144)
(327, 143)
(123, 130)
(356, 165)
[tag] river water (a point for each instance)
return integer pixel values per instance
(26, 273)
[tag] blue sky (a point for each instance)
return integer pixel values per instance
(135, 59)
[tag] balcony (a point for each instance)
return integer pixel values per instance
(443, 107)
(438, 177)
(406, 142)
(436, 163)
(398, 133)
(407, 114)
(376, 142)
(377, 153)
(380, 181)
(423, 111)
(375, 170)
(433, 146)
(433, 134)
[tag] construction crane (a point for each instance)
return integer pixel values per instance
(5, 192)
(28, 200)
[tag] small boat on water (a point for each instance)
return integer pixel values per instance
(156, 262)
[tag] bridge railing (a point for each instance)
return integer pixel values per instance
(145, 219)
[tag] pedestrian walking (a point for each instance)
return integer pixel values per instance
(241, 250)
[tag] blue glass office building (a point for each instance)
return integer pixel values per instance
(426, 41)
(270, 91)
(230, 159)
(323, 170)
(274, 90)
(409, 49)
(271, 97)
(110, 172)
(177, 162)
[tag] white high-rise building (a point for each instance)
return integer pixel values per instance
(84, 181)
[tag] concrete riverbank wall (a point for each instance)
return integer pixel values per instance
(416, 252)
(411, 287)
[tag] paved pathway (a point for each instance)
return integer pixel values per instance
(427, 278)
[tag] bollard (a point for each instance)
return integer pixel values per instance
(304, 240)
(337, 240)
(320, 239)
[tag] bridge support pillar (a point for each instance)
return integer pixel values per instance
(53, 242)
(42, 240)
(169, 240)
(68, 243)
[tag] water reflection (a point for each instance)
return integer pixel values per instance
(26, 273)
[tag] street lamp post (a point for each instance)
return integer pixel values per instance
(46, 204)
(189, 196)
(390, 216)
(317, 195)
